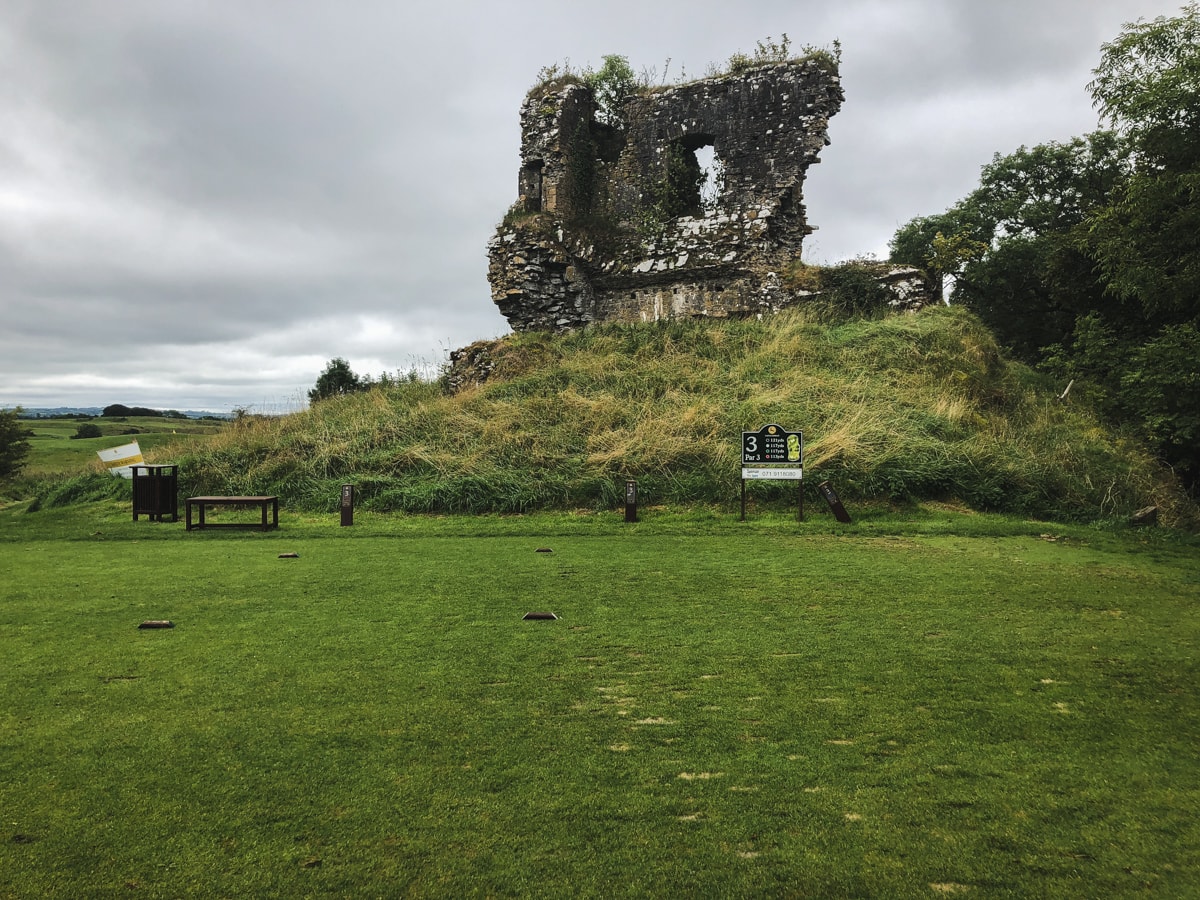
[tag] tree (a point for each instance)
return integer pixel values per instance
(940, 245)
(1147, 241)
(1092, 268)
(612, 86)
(13, 444)
(1015, 246)
(337, 380)
(1148, 85)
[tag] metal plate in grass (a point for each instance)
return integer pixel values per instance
(538, 615)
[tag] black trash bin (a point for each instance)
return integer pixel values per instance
(156, 492)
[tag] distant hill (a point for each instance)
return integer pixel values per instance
(57, 412)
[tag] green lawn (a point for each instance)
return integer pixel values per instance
(898, 708)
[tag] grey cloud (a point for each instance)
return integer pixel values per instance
(217, 197)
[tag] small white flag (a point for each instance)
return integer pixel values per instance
(119, 459)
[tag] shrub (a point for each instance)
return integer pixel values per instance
(87, 430)
(337, 379)
(13, 444)
(612, 86)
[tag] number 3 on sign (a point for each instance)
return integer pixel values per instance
(751, 444)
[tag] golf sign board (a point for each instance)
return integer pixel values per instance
(771, 444)
(773, 454)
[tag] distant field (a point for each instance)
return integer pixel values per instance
(904, 707)
(53, 450)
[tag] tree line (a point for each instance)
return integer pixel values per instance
(1084, 256)
(116, 410)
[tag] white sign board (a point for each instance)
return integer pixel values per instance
(118, 459)
(772, 474)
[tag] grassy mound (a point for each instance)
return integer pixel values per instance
(901, 408)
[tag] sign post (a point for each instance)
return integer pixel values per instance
(773, 454)
(631, 501)
(347, 505)
(834, 501)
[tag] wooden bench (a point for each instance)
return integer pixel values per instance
(202, 502)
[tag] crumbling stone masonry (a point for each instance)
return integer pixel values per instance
(611, 223)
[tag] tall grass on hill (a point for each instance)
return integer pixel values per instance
(901, 408)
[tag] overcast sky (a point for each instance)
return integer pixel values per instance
(201, 203)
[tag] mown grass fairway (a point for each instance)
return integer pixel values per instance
(722, 709)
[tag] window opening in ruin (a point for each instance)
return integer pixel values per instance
(530, 187)
(712, 171)
(685, 178)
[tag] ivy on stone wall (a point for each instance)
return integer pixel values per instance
(681, 187)
(580, 183)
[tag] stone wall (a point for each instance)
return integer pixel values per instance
(610, 224)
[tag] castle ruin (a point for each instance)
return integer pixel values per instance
(612, 222)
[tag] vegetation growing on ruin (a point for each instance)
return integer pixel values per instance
(771, 52)
(616, 80)
(532, 220)
(851, 288)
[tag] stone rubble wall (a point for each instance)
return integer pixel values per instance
(587, 240)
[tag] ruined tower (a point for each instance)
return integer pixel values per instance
(611, 222)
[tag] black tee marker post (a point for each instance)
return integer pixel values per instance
(347, 505)
(631, 501)
(834, 501)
